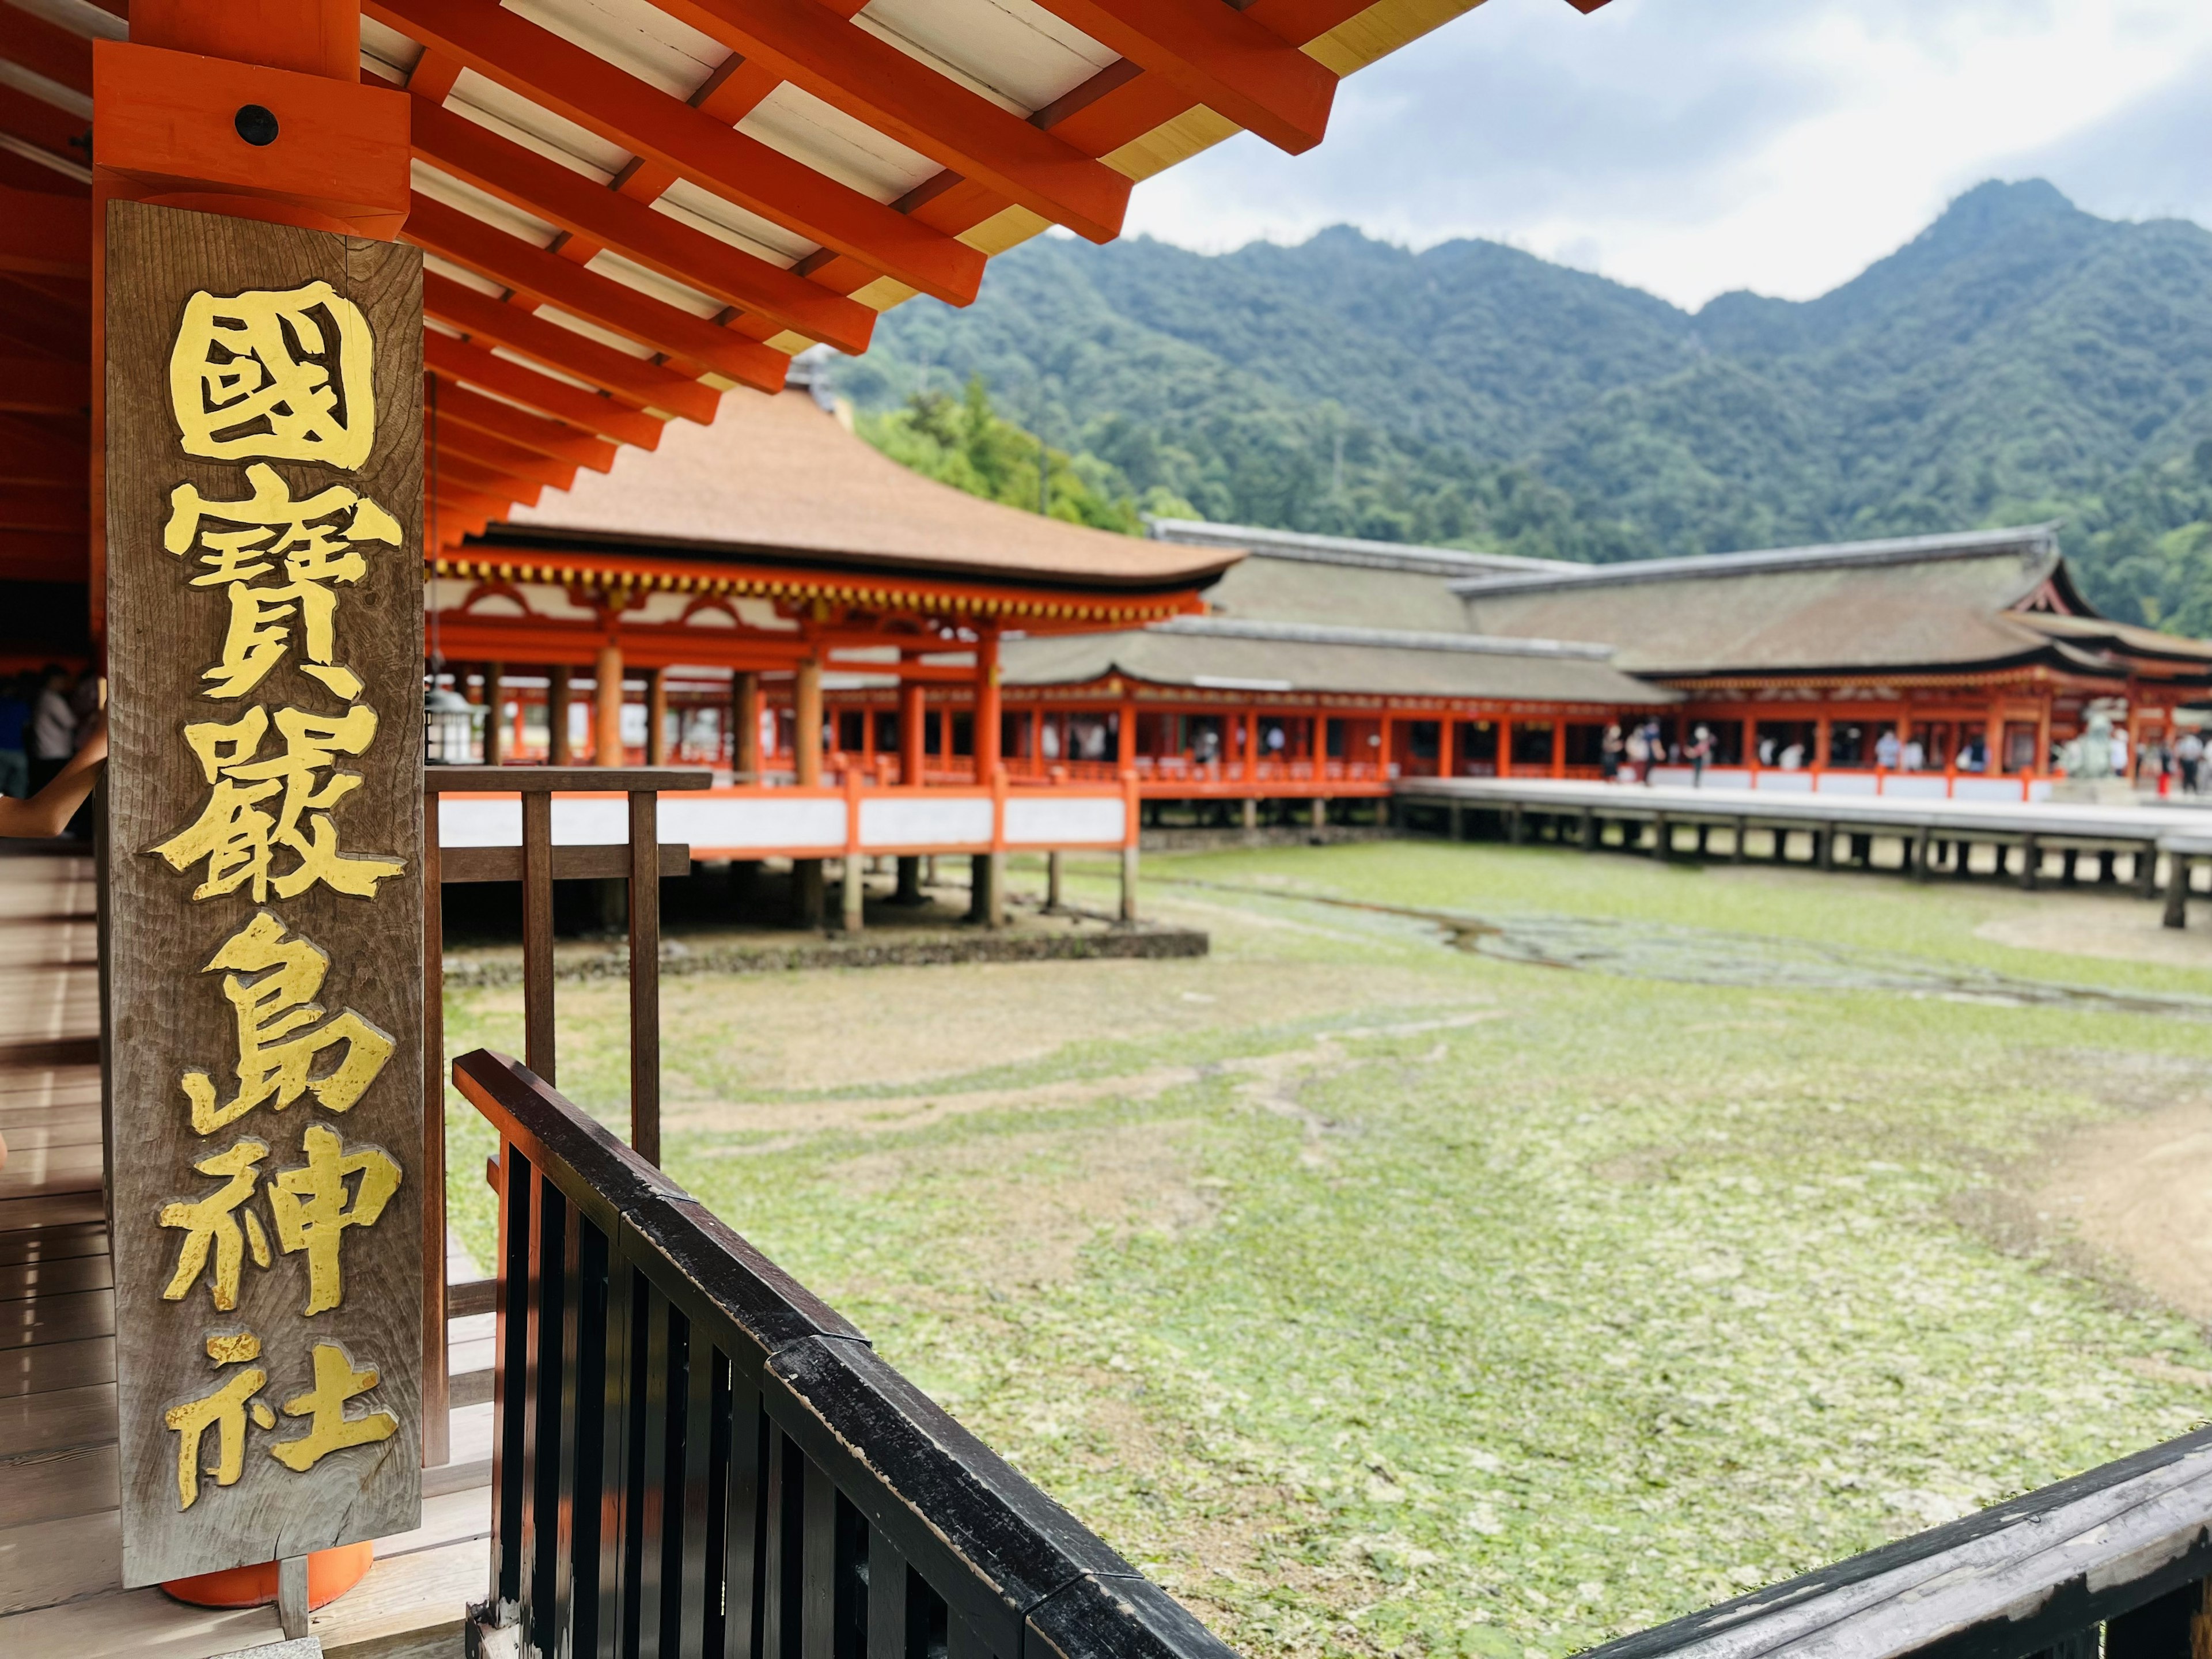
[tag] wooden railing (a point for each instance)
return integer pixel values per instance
(2123, 1552)
(537, 864)
(696, 1457)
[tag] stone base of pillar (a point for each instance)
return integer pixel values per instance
(853, 895)
(1251, 816)
(1129, 879)
(1054, 870)
(1320, 812)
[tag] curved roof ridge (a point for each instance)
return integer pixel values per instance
(1398, 639)
(2040, 540)
(1304, 546)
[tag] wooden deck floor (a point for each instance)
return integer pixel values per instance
(60, 1551)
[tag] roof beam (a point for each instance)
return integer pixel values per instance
(45, 386)
(547, 277)
(460, 147)
(445, 402)
(1234, 66)
(445, 471)
(455, 438)
(588, 90)
(45, 235)
(633, 380)
(806, 43)
(458, 360)
(46, 49)
(32, 452)
(28, 555)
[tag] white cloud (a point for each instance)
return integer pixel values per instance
(1694, 146)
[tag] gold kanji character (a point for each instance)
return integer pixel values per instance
(330, 1429)
(210, 1225)
(275, 1046)
(237, 837)
(223, 1410)
(313, 1207)
(316, 540)
(283, 372)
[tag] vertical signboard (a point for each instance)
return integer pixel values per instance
(264, 595)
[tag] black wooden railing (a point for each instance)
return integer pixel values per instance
(2121, 1554)
(696, 1456)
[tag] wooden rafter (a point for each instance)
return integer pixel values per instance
(46, 49)
(632, 379)
(451, 471)
(455, 439)
(447, 403)
(457, 145)
(451, 359)
(545, 275)
(811, 47)
(687, 142)
(1219, 56)
(45, 235)
(42, 385)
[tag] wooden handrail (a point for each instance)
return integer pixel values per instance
(696, 1455)
(2127, 1547)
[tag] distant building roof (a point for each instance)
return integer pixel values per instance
(779, 477)
(1213, 653)
(1339, 549)
(1925, 601)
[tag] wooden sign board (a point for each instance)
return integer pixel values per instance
(265, 604)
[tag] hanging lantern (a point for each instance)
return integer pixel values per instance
(453, 728)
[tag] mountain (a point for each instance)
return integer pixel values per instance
(2018, 358)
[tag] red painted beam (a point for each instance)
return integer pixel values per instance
(42, 385)
(32, 556)
(562, 282)
(455, 438)
(459, 146)
(445, 473)
(445, 402)
(449, 358)
(808, 45)
(62, 510)
(1218, 56)
(634, 379)
(46, 49)
(45, 235)
(623, 110)
(35, 452)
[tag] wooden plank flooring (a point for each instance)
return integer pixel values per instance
(60, 1536)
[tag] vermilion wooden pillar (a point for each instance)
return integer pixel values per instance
(986, 706)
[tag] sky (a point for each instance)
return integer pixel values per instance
(1691, 147)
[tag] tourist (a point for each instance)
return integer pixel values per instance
(1655, 746)
(2119, 751)
(15, 729)
(1912, 757)
(53, 727)
(1609, 749)
(1766, 751)
(1887, 749)
(1639, 755)
(1793, 758)
(1973, 755)
(1699, 751)
(2188, 756)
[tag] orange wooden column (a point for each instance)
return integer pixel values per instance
(559, 750)
(1558, 747)
(986, 706)
(913, 731)
(607, 706)
(806, 722)
(1504, 745)
(745, 726)
(656, 717)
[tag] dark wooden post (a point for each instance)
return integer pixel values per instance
(263, 393)
(2180, 868)
(656, 717)
(1586, 829)
(644, 975)
(559, 751)
(744, 727)
(1742, 832)
(538, 933)
(2031, 862)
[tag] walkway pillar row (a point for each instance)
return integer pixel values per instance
(745, 726)
(913, 731)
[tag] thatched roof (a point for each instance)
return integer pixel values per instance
(779, 478)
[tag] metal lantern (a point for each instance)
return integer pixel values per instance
(453, 727)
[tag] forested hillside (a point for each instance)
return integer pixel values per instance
(2018, 359)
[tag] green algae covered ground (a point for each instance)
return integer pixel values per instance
(1378, 1295)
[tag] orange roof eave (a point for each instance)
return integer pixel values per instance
(1031, 610)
